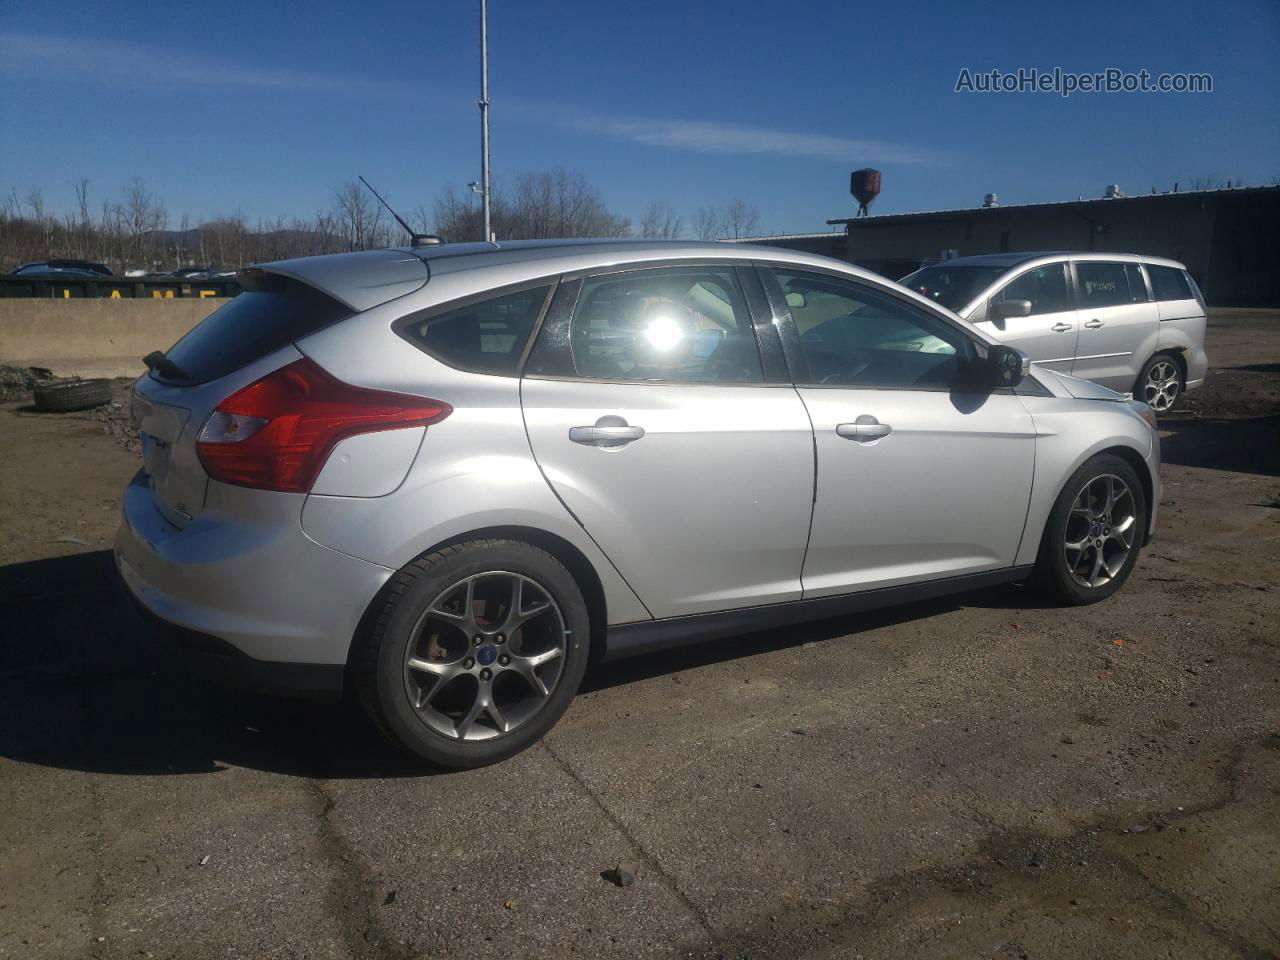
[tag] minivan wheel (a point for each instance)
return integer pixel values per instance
(1094, 534)
(476, 653)
(1160, 383)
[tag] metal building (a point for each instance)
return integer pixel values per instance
(1228, 238)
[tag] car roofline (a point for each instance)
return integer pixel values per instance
(1019, 267)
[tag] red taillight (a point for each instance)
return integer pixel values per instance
(276, 433)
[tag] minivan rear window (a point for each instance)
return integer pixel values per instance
(1169, 283)
(273, 312)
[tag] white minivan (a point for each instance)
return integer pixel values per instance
(1132, 323)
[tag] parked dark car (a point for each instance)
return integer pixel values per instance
(195, 273)
(63, 269)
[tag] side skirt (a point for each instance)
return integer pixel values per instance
(652, 636)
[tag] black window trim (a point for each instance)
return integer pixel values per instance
(1146, 280)
(799, 367)
(562, 323)
(400, 326)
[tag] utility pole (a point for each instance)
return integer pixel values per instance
(484, 116)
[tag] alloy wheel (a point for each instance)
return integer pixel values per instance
(1162, 386)
(485, 656)
(1100, 530)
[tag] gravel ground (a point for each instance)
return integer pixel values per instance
(980, 777)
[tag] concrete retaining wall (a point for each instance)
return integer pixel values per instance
(94, 338)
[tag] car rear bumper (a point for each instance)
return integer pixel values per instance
(251, 588)
(217, 660)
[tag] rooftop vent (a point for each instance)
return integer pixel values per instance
(1112, 192)
(991, 200)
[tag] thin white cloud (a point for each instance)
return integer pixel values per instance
(708, 137)
(152, 68)
(135, 64)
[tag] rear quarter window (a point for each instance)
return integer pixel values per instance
(483, 336)
(275, 311)
(1169, 283)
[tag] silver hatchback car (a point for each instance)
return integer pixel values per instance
(1134, 324)
(450, 476)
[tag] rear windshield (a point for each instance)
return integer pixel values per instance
(953, 287)
(274, 312)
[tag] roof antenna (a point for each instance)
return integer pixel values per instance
(415, 239)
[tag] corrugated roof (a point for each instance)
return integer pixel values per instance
(832, 234)
(1060, 203)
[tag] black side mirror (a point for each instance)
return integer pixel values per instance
(1006, 366)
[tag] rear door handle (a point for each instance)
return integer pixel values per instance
(865, 429)
(606, 432)
(1060, 327)
(1094, 324)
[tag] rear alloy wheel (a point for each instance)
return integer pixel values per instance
(1094, 534)
(478, 651)
(1160, 383)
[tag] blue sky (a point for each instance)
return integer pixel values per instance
(267, 107)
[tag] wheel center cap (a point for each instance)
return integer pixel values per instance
(487, 654)
(1095, 531)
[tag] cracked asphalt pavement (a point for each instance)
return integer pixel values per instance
(976, 777)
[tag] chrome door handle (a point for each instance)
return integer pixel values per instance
(1094, 324)
(606, 432)
(865, 429)
(1060, 327)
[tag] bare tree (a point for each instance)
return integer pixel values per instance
(740, 220)
(660, 220)
(85, 224)
(707, 224)
(358, 213)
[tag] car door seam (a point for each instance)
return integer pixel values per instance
(524, 421)
(1031, 487)
(813, 502)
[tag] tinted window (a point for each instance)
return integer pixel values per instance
(1045, 287)
(1137, 285)
(853, 335)
(953, 287)
(486, 336)
(679, 323)
(1101, 285)
(1169, 283)
(253, 325)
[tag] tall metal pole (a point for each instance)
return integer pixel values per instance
(484, 116)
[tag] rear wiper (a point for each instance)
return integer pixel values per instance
(157, 361)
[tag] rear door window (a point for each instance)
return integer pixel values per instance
(1101, 285)
(484, 336)
(275, 312)
(1169, 283)
(683, 324)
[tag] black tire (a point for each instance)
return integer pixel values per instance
(1145, 387)
(378, 664)
(1053, 574)
(72, 395)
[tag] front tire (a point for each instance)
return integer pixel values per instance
(476, 653)
(1094, 533)
(1161, 383)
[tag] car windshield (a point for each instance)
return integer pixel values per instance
(952, 286)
